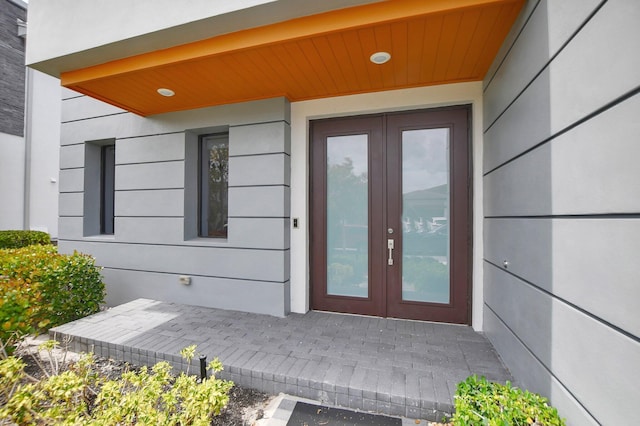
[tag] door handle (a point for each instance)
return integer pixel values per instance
(390, 245)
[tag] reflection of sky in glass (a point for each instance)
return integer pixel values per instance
(343, 147)
(425, 159)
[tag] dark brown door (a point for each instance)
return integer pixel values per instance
(390, 211)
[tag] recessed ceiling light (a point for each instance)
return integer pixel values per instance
(166, 92)
(380, 57)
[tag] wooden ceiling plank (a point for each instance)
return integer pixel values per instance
(487, 21)
(367, 41)
(508, 14)
(400, 52)
(318, 65)
(431, 43)
(448, 35)
(415, 49)
(384, 43)
(468, 24)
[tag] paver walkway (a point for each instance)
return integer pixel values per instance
(389, 366)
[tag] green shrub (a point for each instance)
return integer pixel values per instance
(146, 397)
(20, 310)
(17, 239)
(480, 402)
(70, 286)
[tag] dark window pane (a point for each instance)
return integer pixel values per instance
(107, 186)
(214, 186)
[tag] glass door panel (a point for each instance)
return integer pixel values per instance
(347, 216)
(425, 215)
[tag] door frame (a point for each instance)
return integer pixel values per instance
(463, 239)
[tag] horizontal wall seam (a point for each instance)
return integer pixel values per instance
(570, 304)
(570, 127)
(74, 97)
(573, 216)
(71, 215)
(72, 144)
(259, 217)
(95, 117)
(150, 135)
(260, 154)
(231, 126)
(72, 192)
(515, 40)
(274, 185)
(196, 275)
(539, 360)
(71, 168)
(180, 160)
(150, 217)
(93, 239)
(546, 65)
(150, 189)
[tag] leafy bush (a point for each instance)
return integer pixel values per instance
(69, 286)
(17, 239)
(19, 310)
(480, 402)
(79, 396)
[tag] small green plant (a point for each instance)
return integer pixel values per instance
(79, 396)
(17, 239)
(480, 402)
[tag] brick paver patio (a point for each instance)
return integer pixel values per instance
(389, 366)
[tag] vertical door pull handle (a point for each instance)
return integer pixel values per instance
(390, 245)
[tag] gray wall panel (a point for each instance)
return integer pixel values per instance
(253, 296)
(539, 41)
(71, 204)
(561, 205)
(551, 180)
(71, 180)
(572, 259)
(562, 339)
(149, 230)
(72, 156)
(260, 139)
(83, 107)
(272, 233)
(130, 125)
(587, 74)
(265, 201)
(166, 202)
(156, 183)
(166, 175)
(151, 149)
(215, 261)
(530, 373)
(70, 227)
(274, 169)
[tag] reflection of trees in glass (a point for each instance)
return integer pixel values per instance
(218, 188)
(347, 232)
(424, 279)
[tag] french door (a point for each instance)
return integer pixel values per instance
(390, 215)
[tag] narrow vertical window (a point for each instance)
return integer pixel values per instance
(214, 185)
(107, 187)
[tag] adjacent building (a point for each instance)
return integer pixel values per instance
(29, 131)
(468, 161)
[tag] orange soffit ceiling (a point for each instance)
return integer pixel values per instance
(430, 42)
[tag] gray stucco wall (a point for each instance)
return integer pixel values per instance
(562, 204)
(155, 239)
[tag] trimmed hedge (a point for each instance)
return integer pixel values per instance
(47, 288)
(17, 239)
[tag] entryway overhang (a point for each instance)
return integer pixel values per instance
(430, 42)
